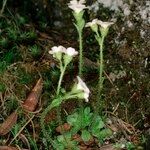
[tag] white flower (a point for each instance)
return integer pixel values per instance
(93, 25)
(104, 25)
(90, 24)
(71, 51)
(82, 86)
(99, 22)
(77, 6)
(56, 49)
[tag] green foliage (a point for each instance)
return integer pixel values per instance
(84, 123)
(3, 66)
(4, 42)
(32, 142)
(15, 131)
(89, 124)
(21, 20)
(35, 50)
(85, 135)
(65, 141)
(12, 33)
(11, 104)
(80, 119)
(28, 35)
(125, 145)
(2, 87)
(25, 78)
(130, 146)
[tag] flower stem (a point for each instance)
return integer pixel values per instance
(42, 123)
(80, 53)
(101, 79)
(49, 107)
(58, 109)
(60, 80)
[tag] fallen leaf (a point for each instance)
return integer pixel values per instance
(6, 126)
(82, 147)
(31, 102)
(77, 138)
(108, 147)
(90, 142)
(64, 127)
(8, 148)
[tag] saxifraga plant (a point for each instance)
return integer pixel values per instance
(78, 12)
(100, 30)
(80, 90)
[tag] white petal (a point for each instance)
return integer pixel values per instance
(94, 22)
(82, 86)
(71, 51)
(77, 6)
(104, 24)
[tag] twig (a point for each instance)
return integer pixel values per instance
(21, 129)
(116, 108)
(3, 7)
(33, 127)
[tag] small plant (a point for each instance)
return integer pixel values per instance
(30, 35)
(12, 33)
(125, 145)
(65, 141)
(91, 127)
(100, 30)
(78, 12)
(79, 90)
(35, 51)
(4, 42)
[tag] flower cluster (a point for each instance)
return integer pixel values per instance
(58, 51)
(99, 22)
(77, 6)
(104, 26)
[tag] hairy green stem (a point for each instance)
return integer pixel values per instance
(42, 122)
(80, 54)
(43, 115)
(60, 80)
(57, 93)
(100, 82)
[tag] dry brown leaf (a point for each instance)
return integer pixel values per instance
(90, 142)
(64, 127)
(82, 147)
(6, 126)
(108, 147)
(31, 102)
(77, 138)
(8, 148)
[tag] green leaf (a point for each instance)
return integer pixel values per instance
(58, 146)
(76, 121)
(97, 123)
(86, 117)
(72, 119)
(104, 134)
(85, 135)
(56, 102)
(87, 111)
(65, 141)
